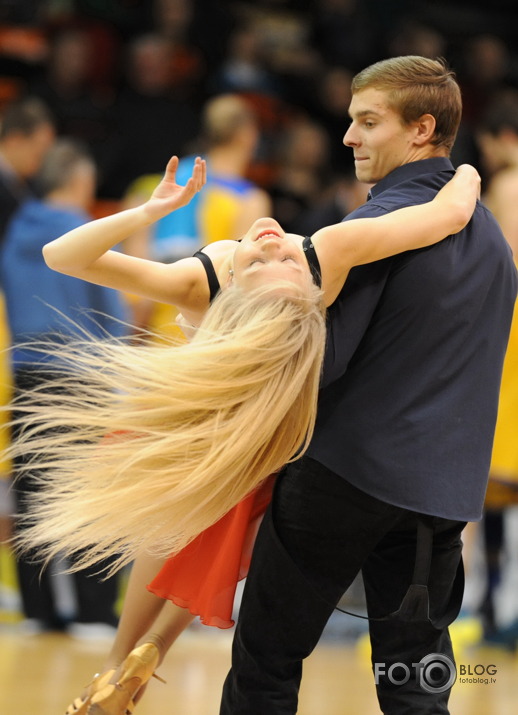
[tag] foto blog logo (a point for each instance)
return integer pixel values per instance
(435, 673)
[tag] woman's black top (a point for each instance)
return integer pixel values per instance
(309, 252)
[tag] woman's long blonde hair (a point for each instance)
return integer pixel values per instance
(143, 447)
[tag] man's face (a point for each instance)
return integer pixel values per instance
(379, 139)
(495, 151)
(32, 149)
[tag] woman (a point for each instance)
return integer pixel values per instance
(163, 477)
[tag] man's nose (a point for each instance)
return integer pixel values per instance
(350, 137)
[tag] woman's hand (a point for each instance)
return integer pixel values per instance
(459, 196)
(169, 196)
(470, 175)
(85, 252)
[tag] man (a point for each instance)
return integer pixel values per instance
(405, 424)
(497, 137)
(42, 304)
(26, 134)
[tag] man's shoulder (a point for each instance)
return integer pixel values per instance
(417, 190)
(413, 183)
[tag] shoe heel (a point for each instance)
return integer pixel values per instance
(140, 664)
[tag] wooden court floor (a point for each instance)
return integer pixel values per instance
(40, 674)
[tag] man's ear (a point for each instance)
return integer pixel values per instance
(425, 128)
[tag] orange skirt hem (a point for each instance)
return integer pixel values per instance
(203, 577)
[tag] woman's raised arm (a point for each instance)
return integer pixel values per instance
(85, 251)
(352, 243)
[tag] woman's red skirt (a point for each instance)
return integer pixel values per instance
(203, 576)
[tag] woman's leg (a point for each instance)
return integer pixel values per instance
(169, 624)
(146, 618)
(171, 621)
(139, 610)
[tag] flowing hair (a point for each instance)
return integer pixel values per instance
(142, 447)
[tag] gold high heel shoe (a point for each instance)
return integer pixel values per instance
(137, 669)
(80, 705)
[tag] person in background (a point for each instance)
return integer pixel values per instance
(81, 102)
(26, 134)
(303, 169)
(497, 137)
(148, 113)
(230, 201)
(44, 305)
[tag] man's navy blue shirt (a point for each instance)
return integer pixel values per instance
(414, 357)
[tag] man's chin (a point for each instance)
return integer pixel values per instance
(364, 177)
(362, 172)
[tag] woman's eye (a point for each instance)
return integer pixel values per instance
(288, 258)
(256, 260)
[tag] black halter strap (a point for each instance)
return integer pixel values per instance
(212, 278)
(312, 259)
(309, 252)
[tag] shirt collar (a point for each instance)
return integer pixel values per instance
(411, 170)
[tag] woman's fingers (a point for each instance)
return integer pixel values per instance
(199, 173)
(170, 170)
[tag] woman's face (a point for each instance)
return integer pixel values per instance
(266, 254)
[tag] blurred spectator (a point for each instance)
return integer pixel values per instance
(225, 208)
(302, 170)
(174, 20)
(331, 97)
(411, 37)
(288, 53)
(346, 32)
(339, 197)
(485, 67)
(80, 106)
(244, 67)
(45, 305)
(150, 122)
(23, 44)
(498, 138)
(230, 202)
(26, 133)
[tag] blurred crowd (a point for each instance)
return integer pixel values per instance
(131, 82)
(129, 77)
